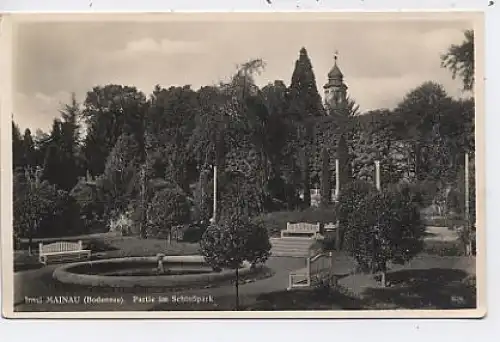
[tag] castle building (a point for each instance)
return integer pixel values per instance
(335, 99)
(335, 89)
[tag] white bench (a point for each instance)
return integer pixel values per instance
(330, 227)
(61, 251)
(310, 230)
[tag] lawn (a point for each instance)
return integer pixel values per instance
(114, 247)
(276, 221)
(439, 278)
(431, 288)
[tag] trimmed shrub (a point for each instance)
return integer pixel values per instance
(169, 207)
(386, 227)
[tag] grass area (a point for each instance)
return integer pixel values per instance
(434, 288)
(114, 247)
(441, 221)
(45, 285)
(443, 248)
(411, 289)
(276, 221)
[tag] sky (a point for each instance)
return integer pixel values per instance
(381, 60)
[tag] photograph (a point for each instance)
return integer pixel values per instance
(253, 165)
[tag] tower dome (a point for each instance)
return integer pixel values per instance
(335, 73)
(335, 88)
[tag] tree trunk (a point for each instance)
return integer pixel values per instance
(338, 244)
(142, 223)
(237, 289)
(383, 273)
(305, 179)
(30, 239)
(418, 172)
(325, 179)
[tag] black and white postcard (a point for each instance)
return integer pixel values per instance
(243, 165)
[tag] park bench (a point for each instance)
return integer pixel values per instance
(62, 251)
(310, 230)
(330, 227)
(317, 267)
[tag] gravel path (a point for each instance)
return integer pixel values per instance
(36, 283)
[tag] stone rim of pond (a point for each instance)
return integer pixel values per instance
(66, 274)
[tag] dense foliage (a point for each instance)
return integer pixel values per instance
(270, 146)
(385, 227)
(168, 208)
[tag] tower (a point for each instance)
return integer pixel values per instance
(335, 88)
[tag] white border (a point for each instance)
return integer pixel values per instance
(335, 331)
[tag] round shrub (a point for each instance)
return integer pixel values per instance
(169, 207)
(386, 227)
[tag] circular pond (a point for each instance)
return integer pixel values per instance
(175, 271)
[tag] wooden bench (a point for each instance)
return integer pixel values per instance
(330, 227)
(310, 230)
(61, 251)
(316, 266)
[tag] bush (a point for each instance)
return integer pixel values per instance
(239, 195)
(64, 219)
(194, 232)
(348, 205)
(385, 227)
(91, 209)
(122, 224)
(233, 241)
(169, 207)
(41, 210)
(328, 243)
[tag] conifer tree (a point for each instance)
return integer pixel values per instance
(52, 166)
(305, 101)
(17, 146)
(28, 149)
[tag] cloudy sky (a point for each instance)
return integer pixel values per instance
(381, 60)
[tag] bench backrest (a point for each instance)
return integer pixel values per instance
(330, 226)
(61, 246)
(302, 227)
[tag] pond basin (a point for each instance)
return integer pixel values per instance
(178, 271)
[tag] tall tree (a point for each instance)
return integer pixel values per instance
(229, 122)
(459, 59)
(53, 170)
(281, 137)
(28, 149)
(169, 125)
(304, 106)
(119, 185)
(69, 146)
(325, 178)
(34, 200)
(418, 114)
(304, 98)
(17, 147)
(106, 111)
